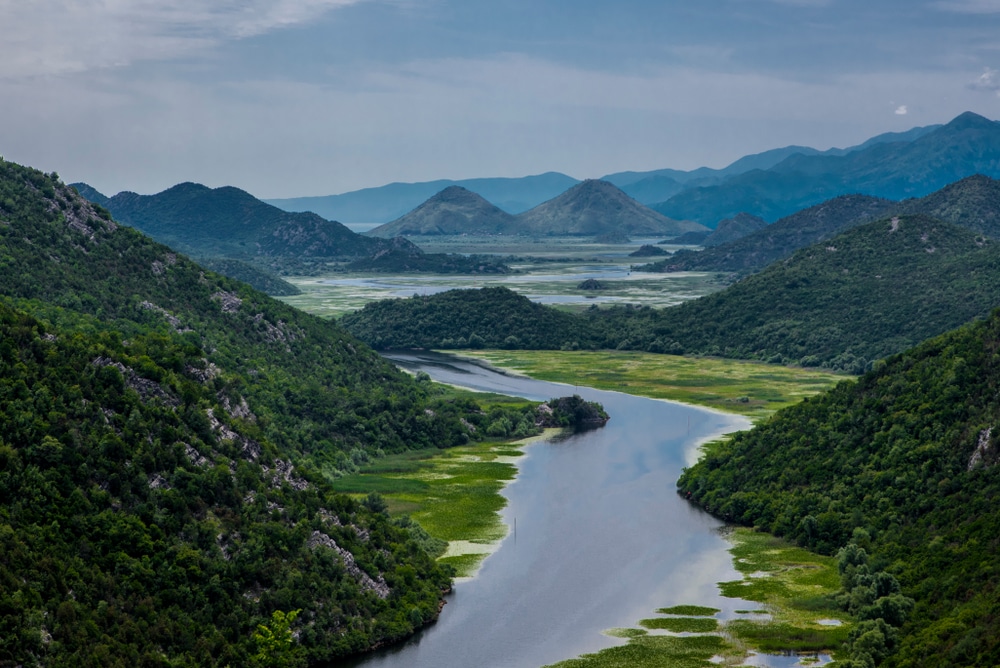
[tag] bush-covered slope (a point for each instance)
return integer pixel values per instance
(485, 318)
(758, 249)
(146, 520)
(318, 392)
(867, 293)
(908, 454)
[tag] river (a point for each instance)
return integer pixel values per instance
(602, 539)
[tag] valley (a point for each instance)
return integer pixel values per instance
(547, 270)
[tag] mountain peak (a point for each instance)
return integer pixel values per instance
(454, 210)
(970, 120)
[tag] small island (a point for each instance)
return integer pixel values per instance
(648, 250)
(591, 284)
(572, 413)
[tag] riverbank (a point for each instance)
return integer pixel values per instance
(752, 389)
(453, 494)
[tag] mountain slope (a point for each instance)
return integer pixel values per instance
(973, 203)
(454, 210)
(779, 240)
(597, 207)
(869, 292)
(968, 145)
(904, 462)
(164, 441)
(734, 228)
(228, 222)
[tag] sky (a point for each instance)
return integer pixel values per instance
(287, 98)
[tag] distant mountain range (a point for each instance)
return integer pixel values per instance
(590, 208)
(739, 182)
(910, 167)
(386, 203)
(973, 203)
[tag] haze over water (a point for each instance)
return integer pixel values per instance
(602, 539)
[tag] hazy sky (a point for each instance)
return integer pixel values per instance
(311, 97)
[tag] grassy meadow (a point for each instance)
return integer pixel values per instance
(753, 389)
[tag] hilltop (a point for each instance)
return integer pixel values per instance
(595, 207)
(226, 224)
(902, 463)
(454, 210)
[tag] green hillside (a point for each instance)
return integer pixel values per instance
(229, 222)
(484, 318)
(973, 203)
(756, 250)
(902, 462)
(146, 519)
(867, 293)
(167, 436)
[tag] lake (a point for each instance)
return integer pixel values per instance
(602, 538)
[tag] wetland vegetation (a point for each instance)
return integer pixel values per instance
(747, 388)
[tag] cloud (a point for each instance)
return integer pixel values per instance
(45, 37)
(989, 81)
(969, 6)
(901, 110)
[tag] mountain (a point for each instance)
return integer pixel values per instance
(973, 203)
(229, 222)
(594, 207)
(387, 203)
(167, 439)
(900, 468)
(910, 167)
(734, 228)
(454, 210)
(758, 249)
(661, 184)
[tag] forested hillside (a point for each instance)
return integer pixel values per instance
(166, 439)
(485, 318)
(147, 520)
(907, 455)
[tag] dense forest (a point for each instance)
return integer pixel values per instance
(872, 291)
(167, 436)
(906, 459)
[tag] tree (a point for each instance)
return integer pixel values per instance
(275, 642)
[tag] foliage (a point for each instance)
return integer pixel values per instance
(164, 435)
(908, 455)
(489, 318)
(141, 522)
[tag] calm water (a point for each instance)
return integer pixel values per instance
(602, 538)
